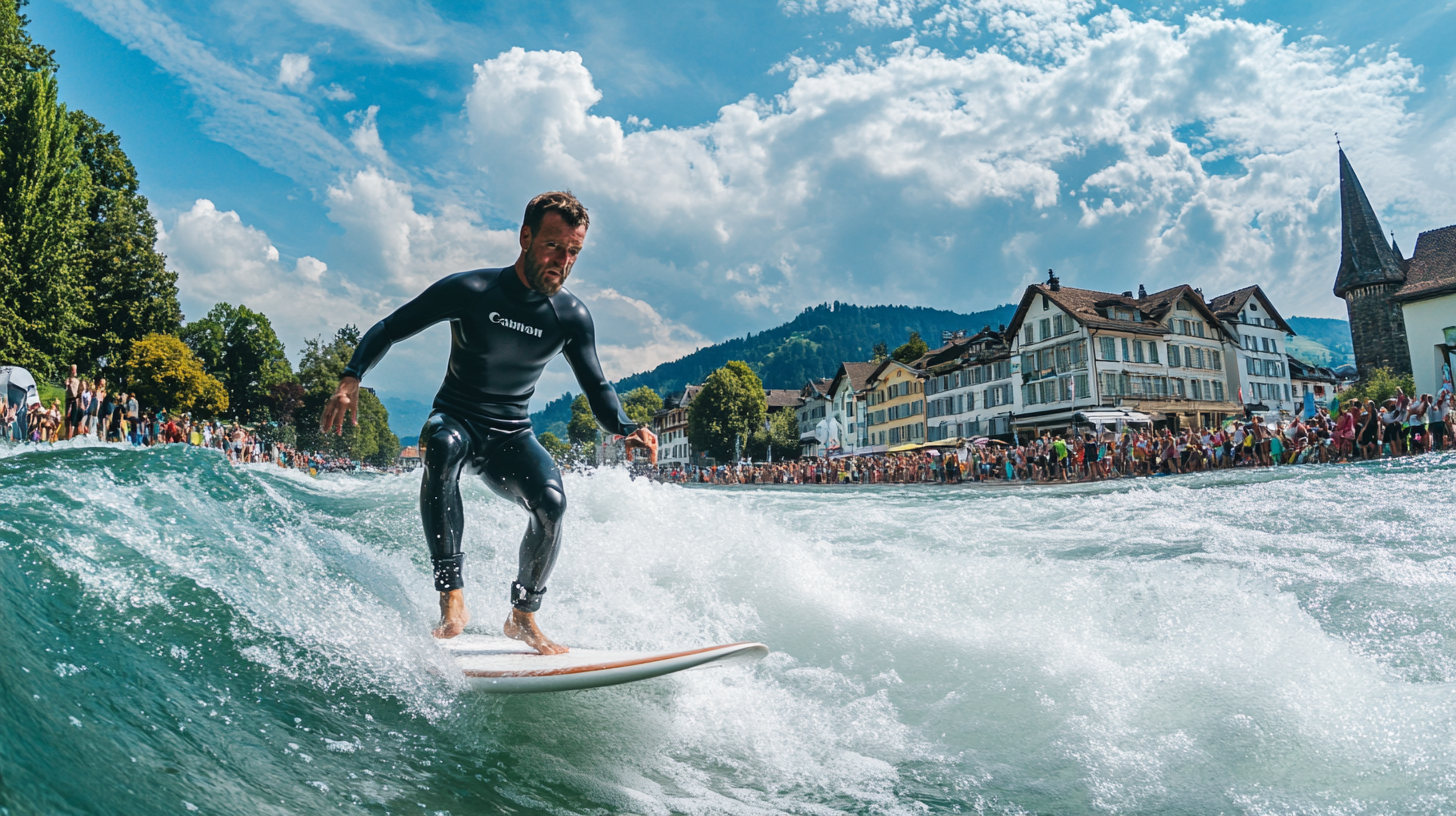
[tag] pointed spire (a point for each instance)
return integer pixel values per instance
(1365, 257)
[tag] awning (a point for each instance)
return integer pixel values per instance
(1112, 417)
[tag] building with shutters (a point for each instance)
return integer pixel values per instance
(670, 424)
(1257, 359)
(895, 408)
(969, 387)
(1079, 349)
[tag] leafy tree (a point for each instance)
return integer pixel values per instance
(882, 350)
(166, 374)
(783, 433)
(319, 372)
(582, 429)
(1378, 385)
(731, 404)
(239, 347)
(19, 56)
(283, 399)
(45, 190)
(558, 449)
(914, 349)
(132, 292)
(641, 403)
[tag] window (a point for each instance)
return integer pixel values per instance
(1177, 388)
(1197, 388)
(1048, 390)
(1081, 384)
(1274, 345)
(1125, 354)
(1064, 388)
(1109, 348)
(1028, 394)
(1137, 352)
(1046, 303)
(1110, 384)
(1152, 351)
(1057, 325)
(1026, 334)
(1044, 328)
(1250, 342)
(1214, 360)
(1173, 356)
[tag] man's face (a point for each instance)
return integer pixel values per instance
(550, 252)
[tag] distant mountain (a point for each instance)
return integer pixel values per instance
(1322, 340)
(406, 417)
(809, 346)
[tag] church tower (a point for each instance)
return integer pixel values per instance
(1370, 273)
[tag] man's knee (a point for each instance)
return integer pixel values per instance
(443, 442)
(551, 504)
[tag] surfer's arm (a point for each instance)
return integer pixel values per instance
(581, 353)
(442, 301)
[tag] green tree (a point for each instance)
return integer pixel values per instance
(132, 292)
(731, 405)
(558, 449)
(1378, 385)
(582, 429)
(641, 403)
(782, 433)
(19, 56)
(164, 373)
(319, 371)
(239, 347)
(914, 349)
(44, 194)
(881, 351)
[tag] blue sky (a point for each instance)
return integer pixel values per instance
(324, 160)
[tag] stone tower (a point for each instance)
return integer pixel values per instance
(1370, 273)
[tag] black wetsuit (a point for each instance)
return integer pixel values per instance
(502, 334)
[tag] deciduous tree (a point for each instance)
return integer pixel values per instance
(641, 403)
(730, 408)
(166, 374)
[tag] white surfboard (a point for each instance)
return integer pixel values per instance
(499, 665)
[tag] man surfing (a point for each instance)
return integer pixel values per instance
(505, 326)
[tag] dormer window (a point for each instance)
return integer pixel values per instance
(1253, 307)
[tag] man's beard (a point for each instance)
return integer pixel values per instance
(536, 276)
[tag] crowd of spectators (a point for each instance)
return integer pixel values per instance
(1356, 431)
(93, 411)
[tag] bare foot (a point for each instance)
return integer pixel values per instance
(522, 626)
(453, 614)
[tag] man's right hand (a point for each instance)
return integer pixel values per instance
(344, 403)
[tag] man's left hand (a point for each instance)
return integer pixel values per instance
(642, 438)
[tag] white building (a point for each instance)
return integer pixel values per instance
(969, 388)
(819, 434)
(1428, 303)
(671, 426)
(1160, 354)
(848, 396)
(1258, 342)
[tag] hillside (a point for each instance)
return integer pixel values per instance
(811, 345)
(1322, 341)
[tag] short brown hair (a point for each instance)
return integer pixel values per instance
(562, 203)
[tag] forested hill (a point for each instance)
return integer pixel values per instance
(809, 346)
(1322, 340)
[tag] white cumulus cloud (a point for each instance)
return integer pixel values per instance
(293, 72)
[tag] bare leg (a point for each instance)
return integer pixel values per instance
(522, 626)
(453, 614)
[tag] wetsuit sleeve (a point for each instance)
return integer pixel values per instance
(442, 301)
(581, 353)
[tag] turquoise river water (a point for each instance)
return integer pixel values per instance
(181, 636)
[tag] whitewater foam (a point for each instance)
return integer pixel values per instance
(1273, 641)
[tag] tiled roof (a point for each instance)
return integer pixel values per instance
(859, 374)
(1227, 307)
(411, 452)
(782, 397)
(1432, 266)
